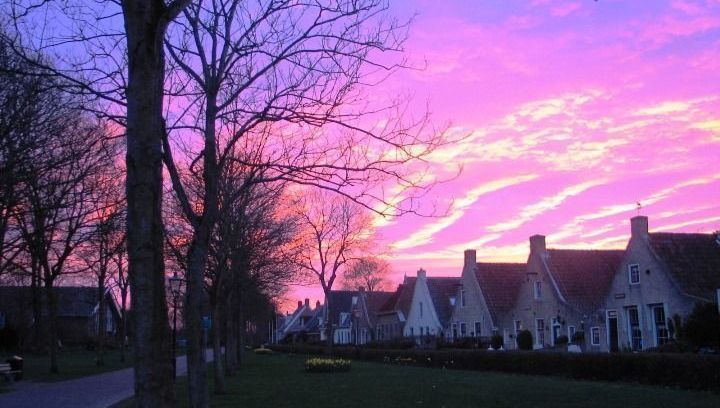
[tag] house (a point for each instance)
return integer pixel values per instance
(391, 316)
(302, 325)
(486, 295)
(77, 307)
(561, 294)
(661, 275)
(354, 315)
(431, 304)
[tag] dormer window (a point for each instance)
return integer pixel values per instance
(538, 290)
(634, 274)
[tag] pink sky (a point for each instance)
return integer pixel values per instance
(576, 110)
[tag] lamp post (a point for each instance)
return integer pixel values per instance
(175, 284)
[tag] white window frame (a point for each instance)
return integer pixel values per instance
(571, 332)
(462, 297)
(478, 325)
(540, 328)
(630, 326)
(655, 323)
(517, 326)
(593, 330)
(538, 290)
(633, 268)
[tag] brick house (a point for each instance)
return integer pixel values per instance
(561, 293)
(661, 275)
(487, 293)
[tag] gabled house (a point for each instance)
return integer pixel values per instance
(661, 275)
(302, 325)
(562, 292)
(78, 312)
(355, 315)
(486, 295)
(391, 316)
(430, 308)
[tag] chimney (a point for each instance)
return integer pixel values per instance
(299, 304)
(361, 289)
(638, 226)
(307, 302)
(317, 304)
(421, 274)
(470, 259)
(537, 243)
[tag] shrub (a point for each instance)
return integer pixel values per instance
(524, 340)
(496, 341)
(561, 340)
(578, 337)
(327, 365)
(263, 350)
(702, 327)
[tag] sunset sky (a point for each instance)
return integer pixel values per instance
(575, 111)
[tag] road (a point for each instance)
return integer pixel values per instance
(97, 391)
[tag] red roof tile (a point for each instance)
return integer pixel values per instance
(500, 284)
(584, 276)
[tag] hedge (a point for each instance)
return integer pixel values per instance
(688, 371)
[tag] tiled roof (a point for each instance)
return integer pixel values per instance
(374, 302)
(401, 299)
(72, 301)
(340, 301)
(584, 276)
(441, 289)
(500, 284)
(390, 304)
(692, 259)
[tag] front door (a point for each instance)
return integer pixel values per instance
(613, 330)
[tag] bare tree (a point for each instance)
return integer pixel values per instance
(370, 272)
(334, 231)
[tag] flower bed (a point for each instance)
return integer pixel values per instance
(327, 365)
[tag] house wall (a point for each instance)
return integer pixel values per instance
(655, 288)
(549, 307)
(475, 308)
(422, 315)
(389, 326)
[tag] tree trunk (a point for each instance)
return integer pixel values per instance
(100, 352)
(197, 367)
(218, 373)
(52, 317)
(123, 323)
(231, 344)
(329, 329)
(145, 25)
(37, 295)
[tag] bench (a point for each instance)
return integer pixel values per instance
(7, 372)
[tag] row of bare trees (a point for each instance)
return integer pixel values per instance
(258, 102)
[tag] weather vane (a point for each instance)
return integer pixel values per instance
(639, 207)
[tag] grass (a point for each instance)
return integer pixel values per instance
(280, 381)
(71, 364)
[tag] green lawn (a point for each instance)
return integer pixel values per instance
(71, 364)
(279, 381)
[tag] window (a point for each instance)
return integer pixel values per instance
(478, 329)
(539, 332)
(463, 329)
(462, 297)
(634, 274)
(421, 330)
(454, 330)
(427, 330)
(538, 290)
(634, 328)
(595, 336)
(421, 309)
(412, 332)
(517, 324)
(661, 331)
(571, 332)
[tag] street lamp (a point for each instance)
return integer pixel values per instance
(175, 283)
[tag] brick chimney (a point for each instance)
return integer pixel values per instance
(317, 304)
(421, 274)
(307, 303)
(361, 288)
(299, 304)
(470, 259)
(639, 226)
(537, 244)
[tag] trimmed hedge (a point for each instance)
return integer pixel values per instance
(689, 371)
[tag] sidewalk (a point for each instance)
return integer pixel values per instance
(97, 391)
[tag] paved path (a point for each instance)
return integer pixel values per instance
(97, 391)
